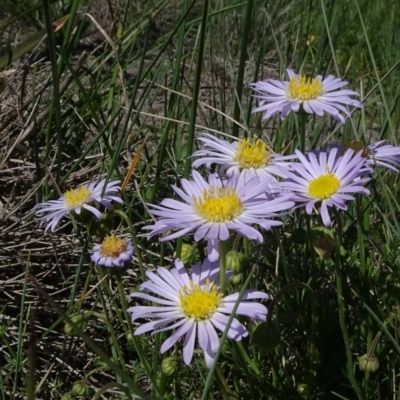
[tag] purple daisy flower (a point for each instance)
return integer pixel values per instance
(241, 158)
(313, 95)
(211, 209)
(193, 305)
(378, 154)
(327, 179)
(113, 252)
(76, 199)
(374, 154)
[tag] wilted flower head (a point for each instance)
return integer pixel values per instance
(193, 305)
(327, 180)
(211, 209)
(313, 95)
(113, 252)
(242, 158)
(74, 200)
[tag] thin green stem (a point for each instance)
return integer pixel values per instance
(282, 257)
(138, 253)
(196, 88)
(360, 235)
(249, 361)
(211, 373)
(303, 122)
(222, 271)
(112, 298)
(341, 308)
(123, 300)
(85, 288)
(288, 288)
(242, 63)
(113, 338)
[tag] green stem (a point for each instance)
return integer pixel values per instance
(341, 308)
(360, 235)
(112, 333)
(123, 300)
(246, 243)
(212, 371)
(303, 123)
(239, 359)
(112, 297)
(132, 336)
(249, 361)
(222, 271)
(85, 288)
(282, 257)
(242, 63)
(138, 253)
(288, 288)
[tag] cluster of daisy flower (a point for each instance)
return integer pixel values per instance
(254, 188)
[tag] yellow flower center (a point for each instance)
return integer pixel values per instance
(77, 197)
(112, 246)
(252, 155)
(357, 146)
(218, 204)
(199, 302)
(303, 88)
(324, 186)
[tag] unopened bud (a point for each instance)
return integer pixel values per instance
(237, 261)
(236, 279)
(80, 388)
(303, 390)
(267, 336)
(188, 254)
(169, 365)
(368, 364)
(68, 396)
(323, 241)
(79, 320)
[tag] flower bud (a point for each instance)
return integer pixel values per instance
(79, 320)
(368, 364)
(80, 388)
(188, 254)
(169, 365)
(237, 261)
(236, 279)
(303, 390)
(323, 241)
(68, 396)
(267, 336)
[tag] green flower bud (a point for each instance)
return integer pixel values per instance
(169, 365)
(68, 396)
(236, 279)
(237, 261)
(323, 241)
(303, 390)
(267, 336)
(368, 364)
(79, 320)
(188, 254)
(80, 388)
